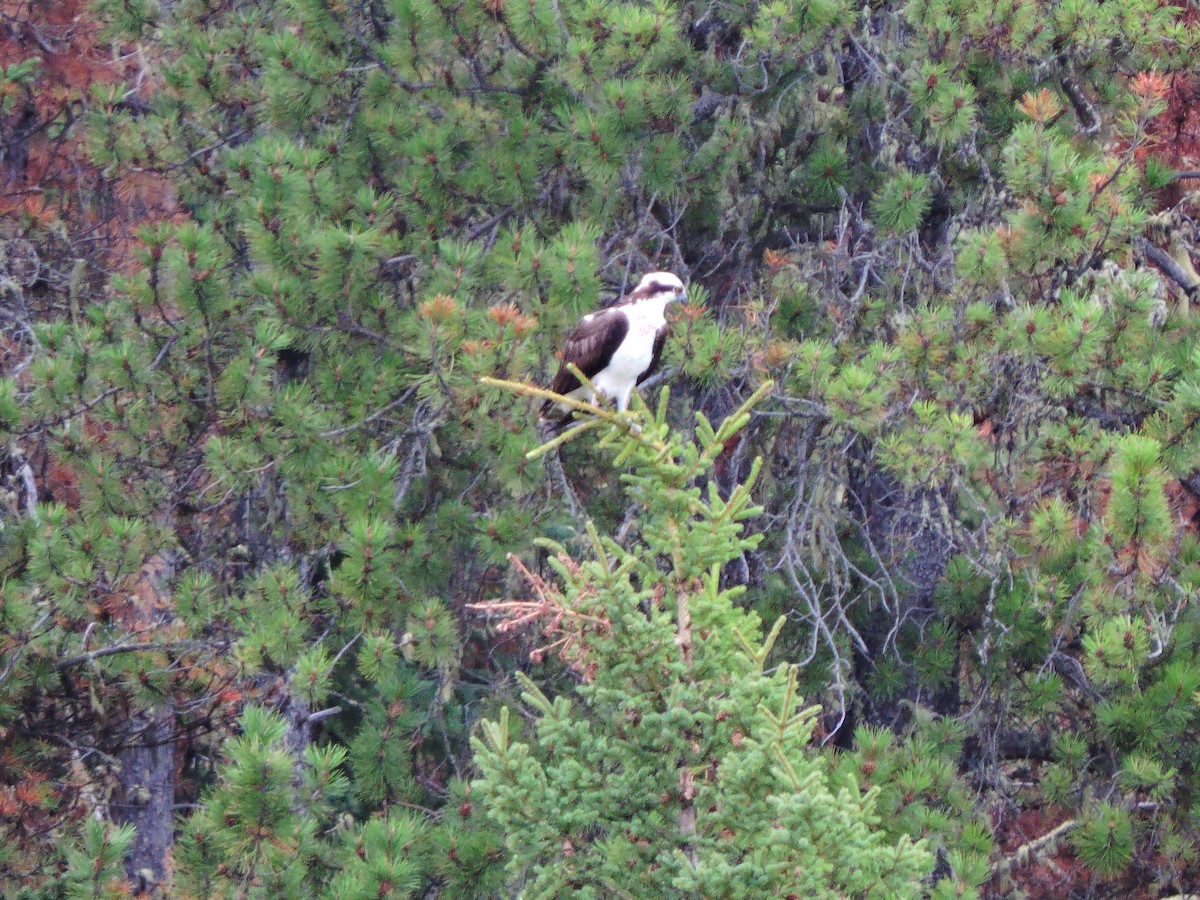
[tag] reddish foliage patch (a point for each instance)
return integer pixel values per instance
(46, 172)
(1177, 136)
(1028, 825)
(31, 810)
(1175, 133)
(62, 486)
(1185, 506)
(1052, 872)
(1178, 128)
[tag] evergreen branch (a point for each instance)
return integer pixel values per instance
(415, 87)
(598, 547)
(531, 390)
(104, 395)
(734, 422)
(799, 783)
(347, 325)
(195, 154)
(15, 655)
(615, 419)
(551, 545)
(533, 695)
(735, 508)
(760, 654)
(411, 86)
(497, 219)
(557, 441)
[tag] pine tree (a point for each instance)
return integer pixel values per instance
(681, 764)
(249, 462)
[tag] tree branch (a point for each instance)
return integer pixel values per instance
(1172, 269)
(182, 646)
(1089, 119)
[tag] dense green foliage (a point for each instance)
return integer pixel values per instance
(687, 771)
(272, 490)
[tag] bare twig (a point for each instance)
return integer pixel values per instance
(149, 646)
(399, 401)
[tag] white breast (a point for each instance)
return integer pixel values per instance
(635, 354)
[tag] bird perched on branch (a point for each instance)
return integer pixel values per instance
(615, 348)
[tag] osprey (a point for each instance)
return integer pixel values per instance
(616, 348)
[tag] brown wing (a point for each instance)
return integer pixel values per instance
(659, 340)
(590, 346)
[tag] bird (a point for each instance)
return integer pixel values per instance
(616, 348)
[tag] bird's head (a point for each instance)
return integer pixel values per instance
(658, 285)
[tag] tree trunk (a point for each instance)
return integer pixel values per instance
(145, 796)
(146, 799)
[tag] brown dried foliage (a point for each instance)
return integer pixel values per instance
(567, 623)
(46, 172)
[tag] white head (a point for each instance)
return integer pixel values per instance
(656, 284)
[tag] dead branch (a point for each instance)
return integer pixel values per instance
(1169, 266)
(1089, 119)
(1030, 852)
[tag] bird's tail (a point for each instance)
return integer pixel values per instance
(553, 425)
(554, 418)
